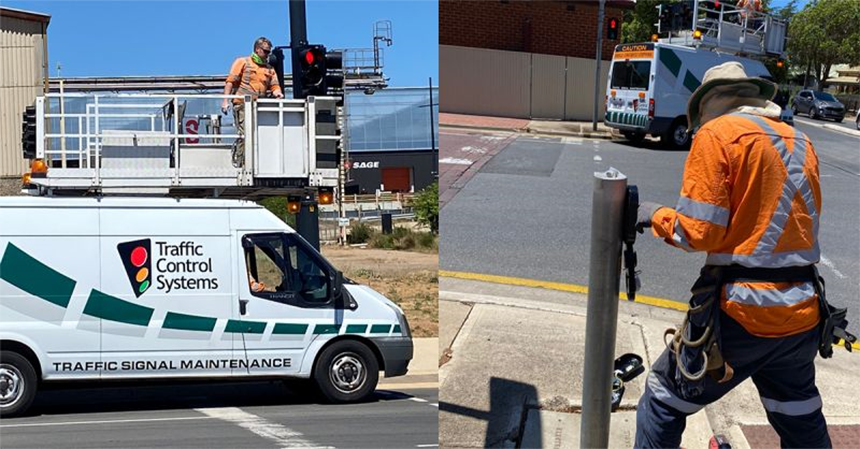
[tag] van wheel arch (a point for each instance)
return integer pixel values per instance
(24, 351)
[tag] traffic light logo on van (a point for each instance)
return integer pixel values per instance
(136, 256)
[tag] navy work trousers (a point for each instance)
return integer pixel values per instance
(782, 369)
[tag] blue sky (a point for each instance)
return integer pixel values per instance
(113, 38)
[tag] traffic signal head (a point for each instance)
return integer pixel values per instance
(612, 32)
(28, 132)
(312, 71)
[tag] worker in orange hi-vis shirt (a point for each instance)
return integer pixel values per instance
(751, 199)
(747, 9)
(249, 76)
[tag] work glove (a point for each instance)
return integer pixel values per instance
(643, 216)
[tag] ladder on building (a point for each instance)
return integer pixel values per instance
(142, 144)
(730, 29)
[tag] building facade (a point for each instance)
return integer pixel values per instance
(24, 58)
(524, 59)
(392, 140)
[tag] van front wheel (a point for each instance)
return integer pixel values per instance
(346, 371)
(17, 384)
(677, 137)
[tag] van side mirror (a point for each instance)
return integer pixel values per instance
(247, 243)
(341, 295)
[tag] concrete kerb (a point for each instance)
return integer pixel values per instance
(607, 135)
(852, 132)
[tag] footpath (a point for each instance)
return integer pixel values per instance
(539, 127)
(512, 364)
(423, 369)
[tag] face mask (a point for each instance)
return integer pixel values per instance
(256, 58)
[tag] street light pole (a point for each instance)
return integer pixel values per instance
(597, 62)
(432, 131)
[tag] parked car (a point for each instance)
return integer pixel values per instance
(818, 105)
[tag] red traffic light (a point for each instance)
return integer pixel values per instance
(613, 24)
(309, 57)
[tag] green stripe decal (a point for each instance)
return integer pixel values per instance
(107, 307)
(691, 82)
(671, 61)
(290, 329)
(356, 329)
(326, 329)
(245, 327)
(184, 322)
(397, 329)
(380, 328)
(23, 271)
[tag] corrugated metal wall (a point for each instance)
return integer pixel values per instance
(484, 82)
(515, 84)
(22, 64)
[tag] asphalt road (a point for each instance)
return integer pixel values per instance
(527, 213)
(250, 415)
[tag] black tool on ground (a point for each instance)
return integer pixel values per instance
(719, 442)
(628, 236)
(625, 368)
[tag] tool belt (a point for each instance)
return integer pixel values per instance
(696, 344)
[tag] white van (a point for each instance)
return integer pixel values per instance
(143, 288)
(649, 85)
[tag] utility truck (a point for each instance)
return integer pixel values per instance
(650, 83)
(132, 257)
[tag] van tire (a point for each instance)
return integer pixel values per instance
(670, 138)
(18, 374)
(346, 371)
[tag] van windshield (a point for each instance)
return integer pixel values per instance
(631, 75)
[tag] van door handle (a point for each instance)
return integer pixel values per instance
(243, 306)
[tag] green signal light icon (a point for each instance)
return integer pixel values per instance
(136, 259)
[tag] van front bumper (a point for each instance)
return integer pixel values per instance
(396, 354)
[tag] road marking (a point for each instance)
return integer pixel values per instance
(394, 386)
(427, 445)
(285, 437)
(435, 404)
(573, 288)
(597, 158)
(418, 400)
(829, 264)
(455, 161)
(107, 421)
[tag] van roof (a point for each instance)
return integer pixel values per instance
(125, 202)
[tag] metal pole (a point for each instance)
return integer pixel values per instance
(604, 278)
(432, 132)
(307, 220)
(597, 61)
(298, 38)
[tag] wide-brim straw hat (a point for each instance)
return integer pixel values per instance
(725, 74)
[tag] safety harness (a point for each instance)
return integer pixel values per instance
(696, 344)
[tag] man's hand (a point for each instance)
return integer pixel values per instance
(643, 217)
(224, 107)
(278, 94)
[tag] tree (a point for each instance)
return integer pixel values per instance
(639, 22)
(825, 33)
(426, 205)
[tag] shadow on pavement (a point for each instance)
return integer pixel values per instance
(509, 402)
(78, 399)
(647, 144)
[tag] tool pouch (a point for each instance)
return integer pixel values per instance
(696, 344)
(833, 323)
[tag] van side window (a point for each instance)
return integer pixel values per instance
(284, 268)
(265, 264)
(309, 276)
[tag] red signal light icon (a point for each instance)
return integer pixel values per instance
(136, 258)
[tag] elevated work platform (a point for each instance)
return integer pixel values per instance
(181, 145)
(733, 30)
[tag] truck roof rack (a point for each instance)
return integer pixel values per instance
(181, 145)
(726, 28)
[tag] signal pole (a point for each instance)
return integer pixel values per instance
(307, 218)
(597, 62)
